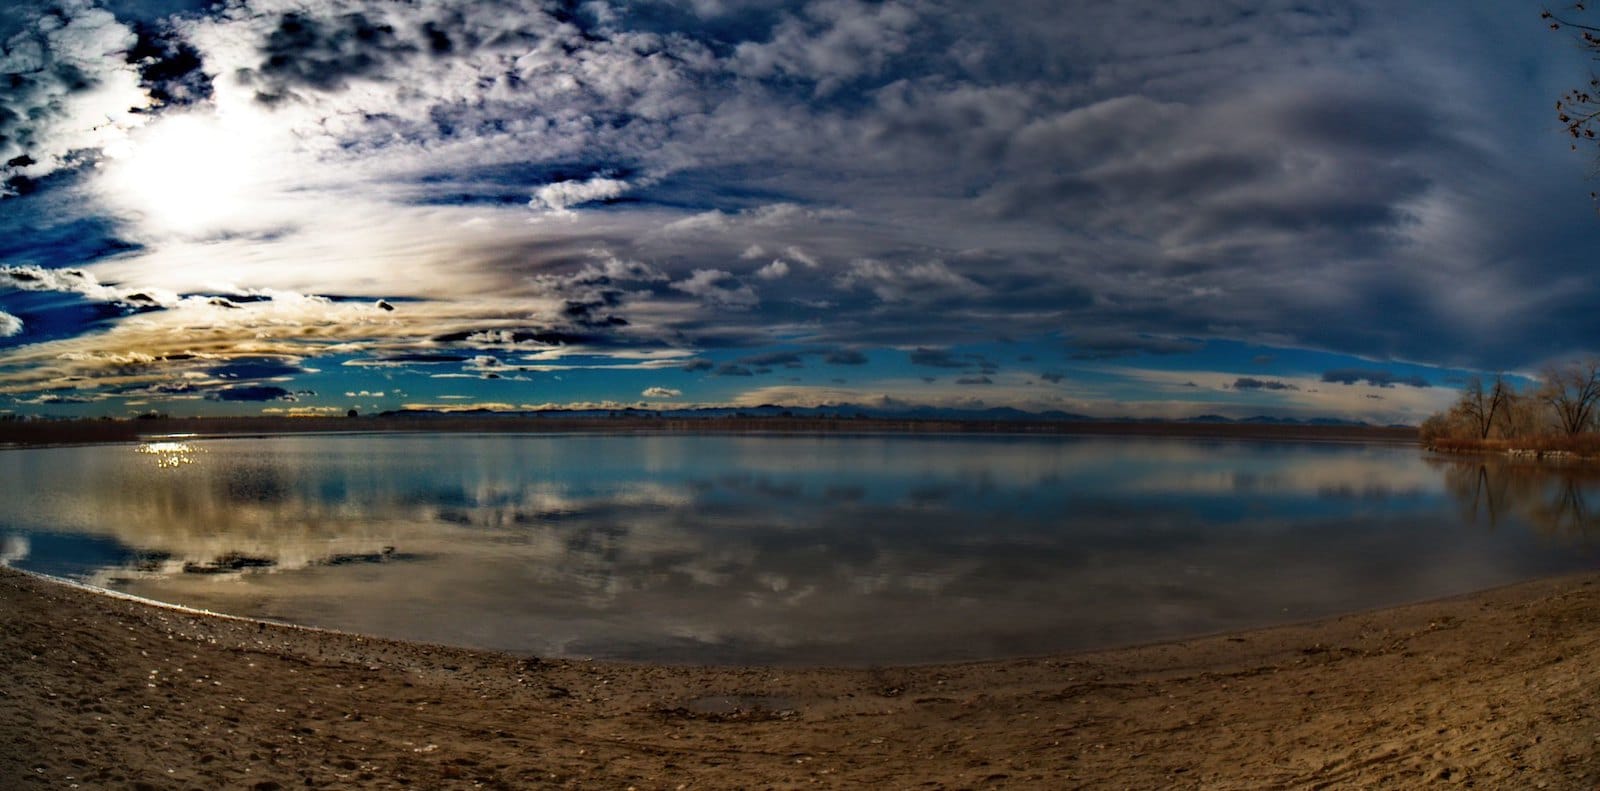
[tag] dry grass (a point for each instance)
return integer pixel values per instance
(1585, 445)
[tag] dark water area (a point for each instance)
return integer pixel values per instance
(787, 549)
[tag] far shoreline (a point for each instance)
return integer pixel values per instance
(90, 431)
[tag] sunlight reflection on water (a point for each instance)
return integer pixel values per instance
(169, 454)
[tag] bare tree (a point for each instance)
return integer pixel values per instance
(1578, 111)
(1573, 391)
(1523, 415)
(1482, 408)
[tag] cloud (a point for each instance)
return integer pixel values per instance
(829, 43)
(661, 392)
(730, 369)
(974, 380)
(257, 368)
(171, 70)
(936, 358)
(561, 195)
(765, 218)
(256, 393)
(1376, 377)
(926, 281)
(833, 173)
(422, 358)
(304, 51)
(47, 399)
(771, 359)
(83, 283)
(773, 271)
(303, 411)
(9, 325)
(698, 366)
(845, 357)
(68, 92)
(719, 289)
(1105, 345)
(1251, 383)
(1053, 377)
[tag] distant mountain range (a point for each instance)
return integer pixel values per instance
(897, 412)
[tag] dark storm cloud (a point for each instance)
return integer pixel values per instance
(770, 359)
(170, 68)
(936, 358)
(1372, 376)
(1365, 122)
(323, 54)
(1251, 383)
(424, 357)
(252, 393)
(844, 357)
(257, 368)
(1110, 345)
(593, 294)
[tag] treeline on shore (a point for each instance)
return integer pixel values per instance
(1555, 414)
(96, 431)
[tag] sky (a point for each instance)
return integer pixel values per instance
(1306, 208)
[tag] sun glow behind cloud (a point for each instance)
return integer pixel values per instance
(198, 174)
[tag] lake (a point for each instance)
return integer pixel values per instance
(785, 549)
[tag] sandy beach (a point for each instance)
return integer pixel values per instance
(1495, 690)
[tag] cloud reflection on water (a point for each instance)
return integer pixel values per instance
(771, 549)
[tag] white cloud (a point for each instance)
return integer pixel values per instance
(802, 256)
(465, 405)
(773, 271)
(561, 195)
(901, 282)
(661, 392)
(830, 43)
(718, 288)
(9, 325)
(83, 283)
(71, 88)
(303, 411)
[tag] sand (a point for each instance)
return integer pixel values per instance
(1496, 690)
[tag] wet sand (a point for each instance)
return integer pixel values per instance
(1495, 690)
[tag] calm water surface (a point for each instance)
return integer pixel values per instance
(782, 549)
